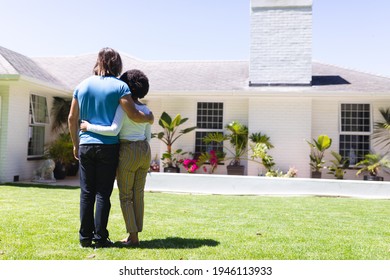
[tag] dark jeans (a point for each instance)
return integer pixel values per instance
(98, 164)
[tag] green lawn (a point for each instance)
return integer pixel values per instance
(42, 223)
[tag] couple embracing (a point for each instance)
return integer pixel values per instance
(110, 130)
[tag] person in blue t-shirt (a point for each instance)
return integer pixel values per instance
(95, 100)
(134, 155)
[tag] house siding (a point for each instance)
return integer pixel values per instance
(14, 131)
(3, 130)
(235, 109)
(287, 121)
(326, 120)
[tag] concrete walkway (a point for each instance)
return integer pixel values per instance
(254, 185)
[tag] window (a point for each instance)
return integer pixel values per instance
(355, 131)
(209, 120)
(38, 118)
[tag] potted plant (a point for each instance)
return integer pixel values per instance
(339, 165)
(238, 138)
(373, 164)
(168, 136)
(154, 165)
(59, 115)
(61, 151)
(381, 133)
(318, 148)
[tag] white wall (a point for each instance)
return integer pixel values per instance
(326, 119)
(234, 109)
(14, 132)
(3, 129)
(287, 121)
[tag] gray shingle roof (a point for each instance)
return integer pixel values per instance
(13, 63)
(198, 76)
(186, 76)
(163, 75)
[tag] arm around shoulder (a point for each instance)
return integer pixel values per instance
(128, 106)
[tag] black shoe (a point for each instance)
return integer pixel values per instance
(104, 244)
(85, 243)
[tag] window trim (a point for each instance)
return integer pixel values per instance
(355, 133)
(32, 123)
(32, 118)
(211, 130)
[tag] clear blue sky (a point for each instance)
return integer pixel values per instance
(350, 33)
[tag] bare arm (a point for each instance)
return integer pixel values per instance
(73, 123)
(128, 106)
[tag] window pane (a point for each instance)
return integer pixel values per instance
(36, 140)
(354, 147)
(355, 118)
(38, 109)
(211, 116)
(203, 147)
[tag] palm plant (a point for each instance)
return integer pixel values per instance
(318, 148)
(261, 138)
(169, 135)
(238, 138)
(381, 134)
(59, 113)
(373, 164)
(339, 165)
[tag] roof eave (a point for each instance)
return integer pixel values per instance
(52, 86)
(9, 77)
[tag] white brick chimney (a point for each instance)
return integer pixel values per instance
(281, 42)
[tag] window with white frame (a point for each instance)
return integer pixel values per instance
(355, 130)
(38, 118)
(209, 119)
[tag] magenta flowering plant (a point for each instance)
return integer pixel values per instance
(212, 158)
(191, 165)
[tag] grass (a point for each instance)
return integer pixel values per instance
(41, 223)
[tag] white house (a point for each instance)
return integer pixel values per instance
(280, 91)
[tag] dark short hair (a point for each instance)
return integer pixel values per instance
(108, 63)
(137, 82)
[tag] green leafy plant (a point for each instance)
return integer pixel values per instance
(169, 135)
(338, 166)
(381, 133)
(237, 136)
(61, 149)
(59, 114)
(260, 150)
(373, 164)
(318, 148)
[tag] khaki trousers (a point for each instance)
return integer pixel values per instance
(134, 163)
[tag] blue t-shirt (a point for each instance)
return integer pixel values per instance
(98, 98)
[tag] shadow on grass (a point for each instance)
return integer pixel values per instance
(172, 243)
(42, 186)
